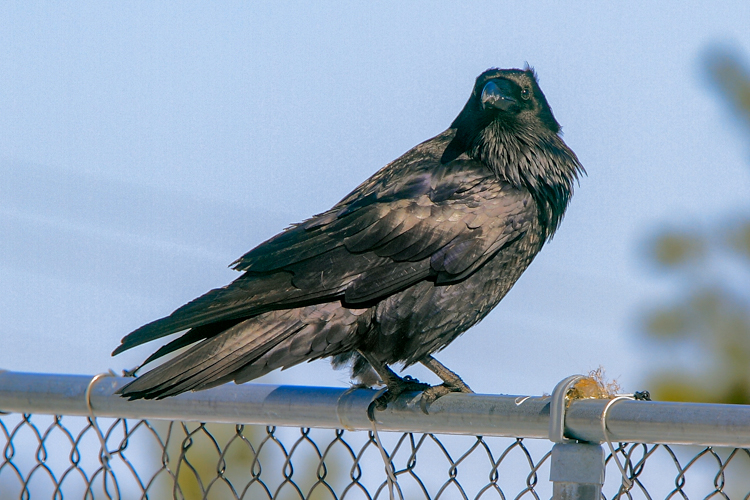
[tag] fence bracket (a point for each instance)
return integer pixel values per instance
(576, 468)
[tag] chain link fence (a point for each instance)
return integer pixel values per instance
(76, 456)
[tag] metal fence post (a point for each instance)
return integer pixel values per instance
(576, 468)
(577, 471)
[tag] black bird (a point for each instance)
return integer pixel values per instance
(395, 271)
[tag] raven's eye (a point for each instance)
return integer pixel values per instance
(525, 94)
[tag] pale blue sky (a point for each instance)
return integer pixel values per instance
(144, 147)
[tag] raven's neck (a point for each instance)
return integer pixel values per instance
(537, 161)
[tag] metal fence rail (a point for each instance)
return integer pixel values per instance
(69, 436)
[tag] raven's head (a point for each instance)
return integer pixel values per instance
(507, 99)
(508, 125)
(512, 97)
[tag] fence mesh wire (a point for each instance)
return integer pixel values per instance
(76, 457)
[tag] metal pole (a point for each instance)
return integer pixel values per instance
(328, 407)
(577, 471)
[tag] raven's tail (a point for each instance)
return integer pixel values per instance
(254, 347)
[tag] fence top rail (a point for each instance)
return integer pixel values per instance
(469, 414)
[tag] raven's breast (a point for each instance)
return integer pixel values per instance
(425, 318)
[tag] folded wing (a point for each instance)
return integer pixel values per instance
(429, 222)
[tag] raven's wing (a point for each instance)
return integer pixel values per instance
(407, 223)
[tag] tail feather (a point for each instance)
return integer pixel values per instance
(191, 337)
(248, 296)
(232, 302)
(249, 349)
(211, 359)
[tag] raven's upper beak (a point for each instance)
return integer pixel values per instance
(498, 94)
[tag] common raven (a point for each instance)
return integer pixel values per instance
(395, 271)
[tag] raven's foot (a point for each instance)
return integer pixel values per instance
(431, 394)
(451, 383)
(395, 384)
(396, 387)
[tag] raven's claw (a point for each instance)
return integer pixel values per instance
(401, 385)
(431, 394)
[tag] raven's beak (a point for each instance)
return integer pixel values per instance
(498, 94)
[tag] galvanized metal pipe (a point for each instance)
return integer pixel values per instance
(472, 414)
(577, 471)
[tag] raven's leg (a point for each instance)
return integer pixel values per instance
(450, 378)
(396, 385)
(451, 382)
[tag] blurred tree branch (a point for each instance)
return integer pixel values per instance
(710, 315)
(732, 79)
